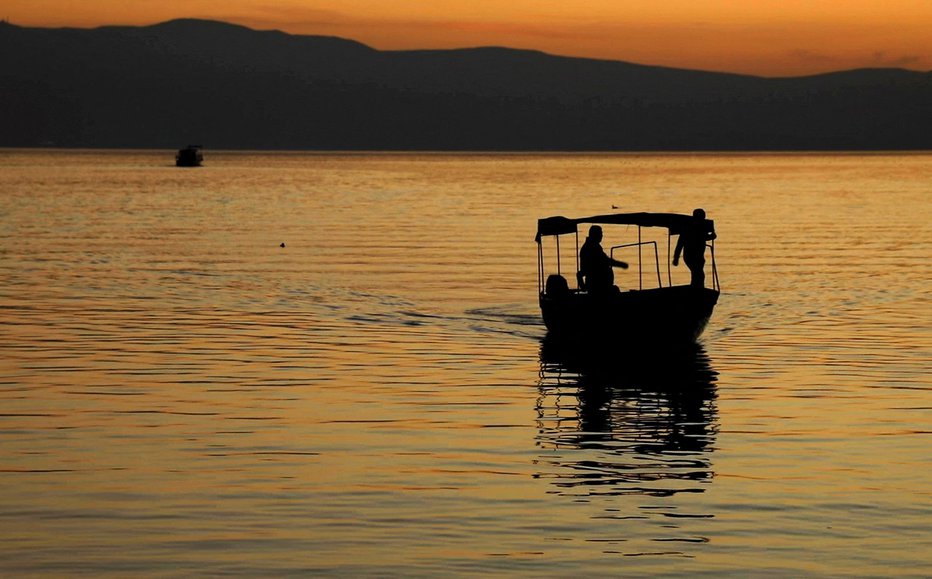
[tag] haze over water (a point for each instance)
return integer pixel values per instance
(182, 395)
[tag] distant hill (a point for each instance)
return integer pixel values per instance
(227, 86)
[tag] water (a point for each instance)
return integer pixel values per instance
(183, 396)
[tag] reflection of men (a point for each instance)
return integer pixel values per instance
(692, 244)
(596, 267)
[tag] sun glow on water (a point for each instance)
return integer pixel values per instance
(183, 394)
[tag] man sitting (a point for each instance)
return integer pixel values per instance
(595, 267)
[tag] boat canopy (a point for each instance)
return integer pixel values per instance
(675, 222)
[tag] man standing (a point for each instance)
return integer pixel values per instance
(692, 244)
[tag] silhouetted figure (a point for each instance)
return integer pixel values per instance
(595, 267)
(692, 244)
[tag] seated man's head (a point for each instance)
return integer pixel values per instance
(595, 232)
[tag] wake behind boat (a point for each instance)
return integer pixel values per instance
(596, 309)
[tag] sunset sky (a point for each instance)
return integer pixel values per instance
(763, 37)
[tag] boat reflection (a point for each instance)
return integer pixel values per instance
(611, 425)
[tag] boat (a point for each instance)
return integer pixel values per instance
(662, 312)
(190, 156)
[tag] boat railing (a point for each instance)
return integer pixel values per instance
(638, 244)
(715, 285)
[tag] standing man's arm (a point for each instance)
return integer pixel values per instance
(679, 248)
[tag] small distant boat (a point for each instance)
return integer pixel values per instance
(663, 314)
(190, 156)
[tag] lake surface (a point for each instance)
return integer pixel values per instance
(181, 395)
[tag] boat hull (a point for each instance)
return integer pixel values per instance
(678, 313)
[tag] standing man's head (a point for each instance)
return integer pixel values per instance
(595, 232)
(699, 214)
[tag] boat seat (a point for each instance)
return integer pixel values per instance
(580, 281)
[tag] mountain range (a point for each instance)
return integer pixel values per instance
(227, 86)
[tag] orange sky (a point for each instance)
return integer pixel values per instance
(764, 37)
